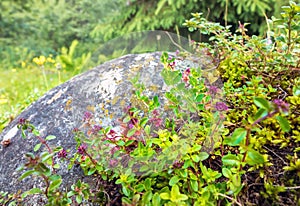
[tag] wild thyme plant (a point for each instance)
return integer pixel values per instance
(203, 146)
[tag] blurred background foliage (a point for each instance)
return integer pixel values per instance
(74, 34)
(30, 28)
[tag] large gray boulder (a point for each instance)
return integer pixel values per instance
(104, 88)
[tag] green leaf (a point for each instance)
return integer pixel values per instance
(55, 184)
(144, 121)
(203, 156)
(144, 168)
(119, 181)
(183, 173)
(129, 142)
(26, 174)
(54, 177)
(126, 191)
(296, 90)
(156, 199)
(147, 129)
(136, 198)
(31, 192)
(131, 132)
(230, 160)
(237, 137)
(195, 158)
(199, 97)
(156, 101)
(193, 176)
(46, 157)
(50, 137)
(92, 171)
(126, 119)
(226, 172)
(174, 180)
(236, 180)
(120, 143)
(44, 169)
(194, 185)
(148, 184)
(78, 199)
(171, 77)
(71, 193)
(253, 157)
(36, 132)
(260, 114)
(139, 188)
(262, 103)
(30, 155)
(147, 197)
(37, 147)
(176, 196)
(284, 124)
(164, 196)
(180, 86)
(126, 200)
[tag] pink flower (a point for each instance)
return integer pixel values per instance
(81, 149)
(87, 116)
(281, 105)
(221, 106)
(62, 154)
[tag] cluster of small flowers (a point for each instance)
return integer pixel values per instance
(95, 129)
(221, 106)
(212, 90)
(178, 164)
(22, 121)
(156, 120)
(87, 116)
(81, 149)
(185, 76)
(112, 135)
(171, 64)
(281, 105)
(62, 154)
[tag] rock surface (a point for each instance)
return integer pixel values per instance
(59, 111)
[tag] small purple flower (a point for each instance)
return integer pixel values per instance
(75, 130)
(87, 116)
(221, 106)
(156, 121)
(188, 70)
(22, 121)
(177, 52)
(127, 108)
(113, 163)
(281, 105)
(185, 75)
(96, 129)
(62, 154)
(178, 164)
(155, 113)
(130, 126)
(212, 90)
(172, 65)
(81, 149)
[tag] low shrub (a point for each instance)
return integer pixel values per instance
(235, 145)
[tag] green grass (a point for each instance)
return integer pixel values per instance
(21, 86)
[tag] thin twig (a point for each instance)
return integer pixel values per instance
(289, 188)
(180, 47)
(276, 155)
(235, 201)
